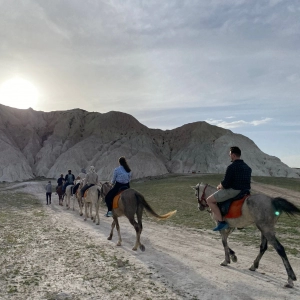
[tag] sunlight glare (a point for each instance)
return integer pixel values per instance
(18, 93)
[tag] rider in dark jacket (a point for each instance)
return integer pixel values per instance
(69, 180)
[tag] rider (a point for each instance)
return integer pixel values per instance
(69, 180)
(121, 179)
(80, 176)
(236, 179)
(90, 180)
(60, 181)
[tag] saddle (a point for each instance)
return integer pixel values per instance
(232, 208)
(117, 197)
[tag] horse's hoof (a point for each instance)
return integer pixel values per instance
(109, 238)
(142, 247)
(81, 215)
(252, 268)
(84, 219)
(98, 223)
(134, 249)
(289, 284)
(119, 244)
(234, 258)
(224, 263)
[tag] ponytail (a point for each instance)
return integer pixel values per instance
(124, 164)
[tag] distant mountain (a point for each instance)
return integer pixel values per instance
(36, 143)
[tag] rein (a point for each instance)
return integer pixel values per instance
(202, 199)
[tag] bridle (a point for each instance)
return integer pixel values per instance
(202, 201)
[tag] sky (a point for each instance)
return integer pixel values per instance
(234, 64)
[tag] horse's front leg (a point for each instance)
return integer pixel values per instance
(224, 234)
(112, 229)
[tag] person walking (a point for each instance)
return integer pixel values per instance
(48, 192)
(121, 179)
(237, 178)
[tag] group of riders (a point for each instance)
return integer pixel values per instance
(237, 178)
(120, 181)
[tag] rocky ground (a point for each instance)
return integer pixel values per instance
(49, 252)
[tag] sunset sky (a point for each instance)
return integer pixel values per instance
(234, 64)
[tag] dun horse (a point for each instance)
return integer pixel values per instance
(132, 203)
(260, 210)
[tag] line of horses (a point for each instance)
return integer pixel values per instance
(130, 203)
(259, 209)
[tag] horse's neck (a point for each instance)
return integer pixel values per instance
(210, 190)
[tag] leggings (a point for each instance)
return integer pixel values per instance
(113, 192)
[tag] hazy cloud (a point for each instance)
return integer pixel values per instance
(239, 123)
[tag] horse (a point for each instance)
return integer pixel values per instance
(92, 198)
(78, 195)
(60, 194)
(258, 209)
(131, 203)
(68, 194)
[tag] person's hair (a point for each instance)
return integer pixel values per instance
(69, 171)
(124, 164)
(61, 174)
(236, 150)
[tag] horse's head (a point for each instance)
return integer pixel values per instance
(105, 188)
(200, 194)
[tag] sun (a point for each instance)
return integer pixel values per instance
(19, 93)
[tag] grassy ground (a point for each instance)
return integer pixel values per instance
(168, 193)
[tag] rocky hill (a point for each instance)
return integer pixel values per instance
(36, 143)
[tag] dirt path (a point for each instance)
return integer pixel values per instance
(74, 260)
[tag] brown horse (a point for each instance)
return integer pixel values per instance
(131, 203)
(258, 209)
(60, 194)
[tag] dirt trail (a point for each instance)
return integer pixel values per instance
(177, 264)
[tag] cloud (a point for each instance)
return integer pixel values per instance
(239, 123)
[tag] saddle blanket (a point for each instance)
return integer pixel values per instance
(116, 200)
(235, 209)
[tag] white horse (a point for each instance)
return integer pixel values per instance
(92, 198)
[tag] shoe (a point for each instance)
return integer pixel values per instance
(108, 214)
(221, 226)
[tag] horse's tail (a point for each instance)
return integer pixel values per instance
(140, 198)
(282, 205)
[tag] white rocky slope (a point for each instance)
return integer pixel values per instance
(35, 143)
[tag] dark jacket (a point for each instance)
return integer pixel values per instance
(67, 178)
(237, 176)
